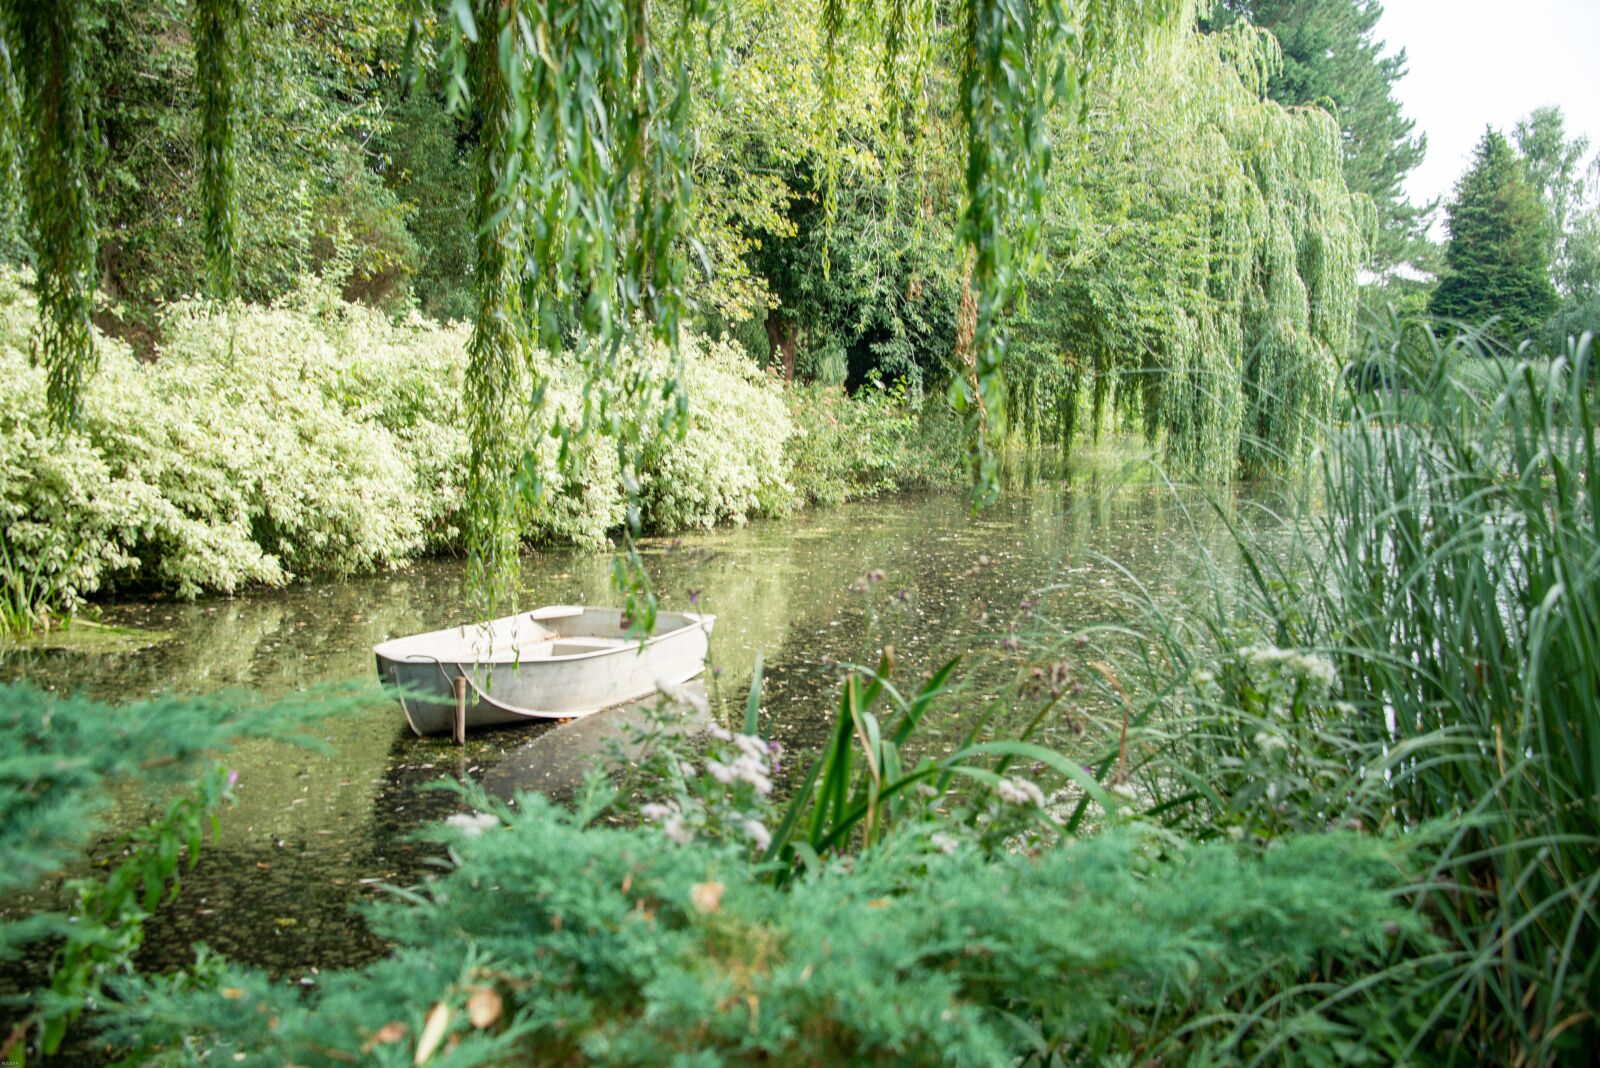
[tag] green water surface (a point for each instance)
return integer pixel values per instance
(316, 833)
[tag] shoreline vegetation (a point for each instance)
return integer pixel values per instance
(1309, 822)
(315, 436)
(1338, 804)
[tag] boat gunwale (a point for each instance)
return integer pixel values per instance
(693, 621)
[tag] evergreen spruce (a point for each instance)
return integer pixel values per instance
(1497, 264)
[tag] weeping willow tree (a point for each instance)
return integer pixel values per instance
(47, 44)
(218, 30)
(10, 149)
(584, 190)
(1203, 253)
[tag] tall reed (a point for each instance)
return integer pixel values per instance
(1422, 659)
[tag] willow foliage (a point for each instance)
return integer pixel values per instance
(585, 183)
(218, 30)
(48, 49)
(1022, 59)
(591, 155)
(1215, 307)
(10, 126)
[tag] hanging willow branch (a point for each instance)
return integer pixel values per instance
(49, 52)
(1022, 58)
(218, 31)
(496, 378)
(584, 194)
(10, 117)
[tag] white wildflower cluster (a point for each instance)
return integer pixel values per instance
(1019, 792)
(1270, 742)
(751, 762)
(670, 816)
(689, 697)
(472, 824)
(1123, 789)
(727, 797)
(758, 832)
(944, 843)
(1316, 671)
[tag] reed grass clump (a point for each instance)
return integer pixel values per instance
(1419, 657)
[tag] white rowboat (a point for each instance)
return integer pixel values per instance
(552, 663)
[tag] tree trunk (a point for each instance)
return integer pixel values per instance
(783, 333)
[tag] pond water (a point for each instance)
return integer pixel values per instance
(315, 833)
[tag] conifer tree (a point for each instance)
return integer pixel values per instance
(1497, 264)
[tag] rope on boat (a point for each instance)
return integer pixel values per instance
(449, 682)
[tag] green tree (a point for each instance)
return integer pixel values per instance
(1568, 187)
(1203, 249)
(1555, 168)
(1497, 264)
(1332, 57)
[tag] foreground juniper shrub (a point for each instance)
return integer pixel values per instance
(559, 936)
(686, 915)
(604, 945)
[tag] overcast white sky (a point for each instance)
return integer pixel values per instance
(1478, 62)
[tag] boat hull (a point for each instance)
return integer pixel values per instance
(525, 667)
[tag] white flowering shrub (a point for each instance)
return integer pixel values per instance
(317, 435)
(730, 465)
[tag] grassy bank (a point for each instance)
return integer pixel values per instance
(321, 436)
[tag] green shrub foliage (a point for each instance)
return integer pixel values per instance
(63, 759)
(64, 752)
(318, 435)
(557, 940)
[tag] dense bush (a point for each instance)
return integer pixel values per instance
(668, 922)
(559, 941)
(850, 446)
(731, 463)
(318, 435)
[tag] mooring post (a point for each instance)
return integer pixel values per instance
(461, 710)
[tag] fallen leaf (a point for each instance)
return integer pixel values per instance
(390, 1032)
(432, 1032)
(706, 897)
(383, 1036)
(232, 993)
(484, 1007)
